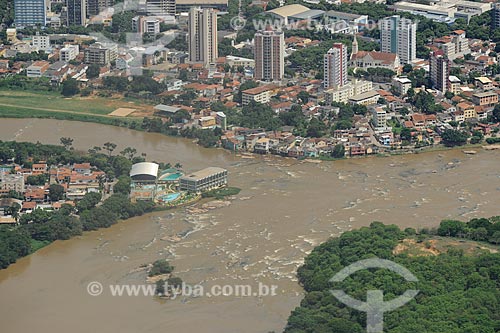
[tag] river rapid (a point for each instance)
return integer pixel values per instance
(286, 208)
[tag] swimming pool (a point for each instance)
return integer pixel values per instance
(170, 197)
(172, 176)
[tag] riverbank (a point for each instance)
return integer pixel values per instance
(134, 124)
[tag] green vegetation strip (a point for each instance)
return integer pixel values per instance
(222, 192)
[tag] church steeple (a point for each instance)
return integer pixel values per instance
(354, 46)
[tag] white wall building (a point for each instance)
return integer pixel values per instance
(41, 42)
(69, 52)
(399, 35)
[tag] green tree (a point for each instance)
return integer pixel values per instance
(123, 185)
(160, 287)
(453, 137)
(56, 192)
(66, 142)
(109, 147)
(303, 96)
(70, 87)
(93, 71)
(160, 267)
(451, 228)
(338, 151)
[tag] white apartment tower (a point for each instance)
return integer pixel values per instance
(399, 35)
(202, 35)
(269, 54)
(335, 66)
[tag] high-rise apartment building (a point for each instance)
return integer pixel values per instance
(335, 66)
(202, 44)
(94, 7)
(399, 35)
(439, 68)
(30, 13)
(76, 12)
(269, 50)
(495, 19)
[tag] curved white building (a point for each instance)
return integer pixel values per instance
(144, 171)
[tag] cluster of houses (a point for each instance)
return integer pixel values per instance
(76, 180)
(388, 102)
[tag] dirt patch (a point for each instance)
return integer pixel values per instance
(426, 248)
(122, 112)
(438, 245)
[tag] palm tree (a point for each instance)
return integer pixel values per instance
(178, 165)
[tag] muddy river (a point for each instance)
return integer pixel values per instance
(285, 208)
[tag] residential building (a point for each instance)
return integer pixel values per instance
(202, 43)
(239, 61)
(495, 21)
(41, 42)
(76, 12)
(94, 7)
(204, 180)
(455, 84)
(467, 109)
(146, 24)
(379, 119)
(160, 7)
(30, 13)
(69, 52)
(37, 69)
(486, 98)
(183, 6)
(260, 94)
(335, 66)
(454, 46)
(10, 182)
(399, 35)
(207, 122)
(100, 54)
(123, 61)
(261, 146)
(439, 67)
(483, 83)
(401, 85)
(221, 120)
(367, 98)
(342, 94)
(269, 55)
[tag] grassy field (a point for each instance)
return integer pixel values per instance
(43, 102)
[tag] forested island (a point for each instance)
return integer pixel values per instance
(458, 271)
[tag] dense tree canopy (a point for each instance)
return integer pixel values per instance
(458, 293)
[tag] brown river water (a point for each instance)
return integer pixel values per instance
(285, 208)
